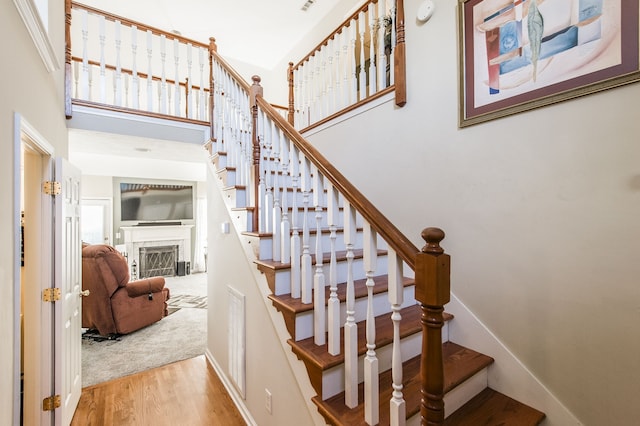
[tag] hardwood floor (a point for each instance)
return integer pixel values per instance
(183, 393)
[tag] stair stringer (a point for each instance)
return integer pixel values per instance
(507, 374)
(248, 243)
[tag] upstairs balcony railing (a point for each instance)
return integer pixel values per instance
(363, 59)
(118, 63)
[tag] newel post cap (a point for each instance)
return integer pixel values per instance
(256, 89)
(433, 270)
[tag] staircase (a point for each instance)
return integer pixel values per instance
(343, 278)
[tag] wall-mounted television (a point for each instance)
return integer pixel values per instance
(148, 202)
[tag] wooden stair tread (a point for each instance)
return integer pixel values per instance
(318, 354)
(493, 408)
(459, 364)
(287, 303)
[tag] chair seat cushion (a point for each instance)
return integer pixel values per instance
(145, 286)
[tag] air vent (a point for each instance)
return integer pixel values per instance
(307, 5)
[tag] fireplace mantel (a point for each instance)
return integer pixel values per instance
(152, 236)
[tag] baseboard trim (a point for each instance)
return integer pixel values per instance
(231, 389)
(508, 374)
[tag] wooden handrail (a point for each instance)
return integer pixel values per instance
(228, 68)
(387, 230)
(139, 25)
(433, 291)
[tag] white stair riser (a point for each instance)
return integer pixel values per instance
(283, 276)
(464, 392)
(236, 197)
(381, 305)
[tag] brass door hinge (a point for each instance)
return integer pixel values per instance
(51, 403)
(51, 294)
(51, 187)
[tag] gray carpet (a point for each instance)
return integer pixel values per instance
(179, 336)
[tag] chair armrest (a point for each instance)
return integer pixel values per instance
(145, 286)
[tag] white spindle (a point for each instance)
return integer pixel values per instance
(333, 306)
(362, 76)
(305, 260)
(285, 227)
(353, 98)
(262, 186)
(103, 77)
(277, 212)
(347, 57)
(201, 95)
(268, 205)
(329, 75)
(372, 52)
(371, 379)
(319, 313)
(163, 75)
(350, 326)
(295, 234)
(84, 81)
(396, 298)
(118, 76)
(176, 78)
(381, 56)
(189, 80)
(126, 90)
(337, 91)
(149, 71)
(135, 80)
(76, 78)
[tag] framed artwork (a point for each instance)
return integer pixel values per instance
(516, 55)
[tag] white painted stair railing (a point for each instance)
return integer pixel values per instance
(297, 191)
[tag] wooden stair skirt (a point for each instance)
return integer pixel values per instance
(468, 400)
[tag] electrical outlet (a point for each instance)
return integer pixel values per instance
(267, 400)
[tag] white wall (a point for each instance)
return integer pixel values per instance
(28, 89)
(269, 365)
(541, 212)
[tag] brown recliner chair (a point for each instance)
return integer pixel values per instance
(115, 305)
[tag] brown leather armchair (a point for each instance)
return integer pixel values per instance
(115, 305)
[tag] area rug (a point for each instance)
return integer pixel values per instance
(179, 336)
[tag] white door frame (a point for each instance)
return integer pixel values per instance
(26, 135)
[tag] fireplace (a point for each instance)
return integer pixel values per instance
(158, 261)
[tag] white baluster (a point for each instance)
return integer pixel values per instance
(126, 90)
(201, 96)
(319, 312)
(354, 79)
(163, 76)
(176, 79)
(285, 231)
(305, 260)
(393, 43)
(372, 51)
(333, 306)
(189, 80)
(350, 326)
(84, 81)
(306, 90)
(268, 203)
(329, 77)
(149, 71)
(371, 379)
(118, 76)
(103, 76)
(262, 186)
(347, 57)
(135, 80)
(295, 236)
(396, 298)
(337, 91)
(76, 78)
(362, 76)
(381, 56)
(277, 212)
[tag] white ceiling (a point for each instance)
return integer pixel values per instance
(255, 32)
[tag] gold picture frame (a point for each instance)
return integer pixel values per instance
(517, 55)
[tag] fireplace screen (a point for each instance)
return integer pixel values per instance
(158, 261)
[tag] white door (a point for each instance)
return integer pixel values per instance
(96, 220)
(68, 278)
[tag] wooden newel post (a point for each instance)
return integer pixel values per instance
(290, 117)
(433, 291)
(399, 57)
(67, 59)
(212, 48)
(256, 90)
